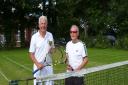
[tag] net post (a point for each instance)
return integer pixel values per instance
(13, 82)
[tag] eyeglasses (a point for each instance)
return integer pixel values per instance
(73, 31)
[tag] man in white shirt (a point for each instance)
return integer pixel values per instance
(41, 46)
(76, 54)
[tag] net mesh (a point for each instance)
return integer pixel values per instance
(111, 74)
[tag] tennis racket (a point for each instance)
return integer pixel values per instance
(57, 57)
(46, 62)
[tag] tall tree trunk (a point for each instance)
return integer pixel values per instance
(22, 36)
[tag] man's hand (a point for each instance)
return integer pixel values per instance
(69, 68)
(39, 65)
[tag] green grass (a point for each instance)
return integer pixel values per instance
(106, 56)
(16, 64)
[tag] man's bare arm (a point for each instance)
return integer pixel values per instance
(85, 61)
(39, 65)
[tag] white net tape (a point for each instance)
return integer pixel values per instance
(82, 72)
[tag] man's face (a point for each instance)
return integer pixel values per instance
(74, 33)
(43, 25)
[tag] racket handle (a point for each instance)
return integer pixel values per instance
(38, 69)
(35, 71)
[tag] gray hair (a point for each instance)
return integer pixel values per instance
(42, 18)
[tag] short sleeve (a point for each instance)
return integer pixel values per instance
(32, 45)
(84, 51)
(66, 48)
(51, 39)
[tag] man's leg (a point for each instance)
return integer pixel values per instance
(37, 82)
(78, 80)
(69, 81)
(49, 71)
(37, 74)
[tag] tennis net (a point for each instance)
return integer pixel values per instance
(110, 74)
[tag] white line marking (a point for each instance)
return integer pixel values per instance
(4, 75)
(9, 59)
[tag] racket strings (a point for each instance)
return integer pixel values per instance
(58, 55)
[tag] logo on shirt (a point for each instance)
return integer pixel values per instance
(50, 43)
(76, 50)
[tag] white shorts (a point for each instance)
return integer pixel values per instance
(48, 70)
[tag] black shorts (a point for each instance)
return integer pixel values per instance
(74, 81)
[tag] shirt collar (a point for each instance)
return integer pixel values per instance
(39, 34)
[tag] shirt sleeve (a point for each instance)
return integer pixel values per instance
(66, 48)
(51, 39)
(84, 51)
(32, 45)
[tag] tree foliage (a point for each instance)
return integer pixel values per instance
(97, 15)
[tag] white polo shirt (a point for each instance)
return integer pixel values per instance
(40, 46)
(76, 52)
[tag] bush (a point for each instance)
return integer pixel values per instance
(98, 42)
(122, 42)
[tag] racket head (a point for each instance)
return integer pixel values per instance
(58, 55)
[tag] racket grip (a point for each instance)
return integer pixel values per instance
(35, 71)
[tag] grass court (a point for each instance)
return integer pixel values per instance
(16, 64)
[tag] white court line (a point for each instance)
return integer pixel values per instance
(4, 75)
(9, 59)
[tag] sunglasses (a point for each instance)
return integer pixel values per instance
(73, 31)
